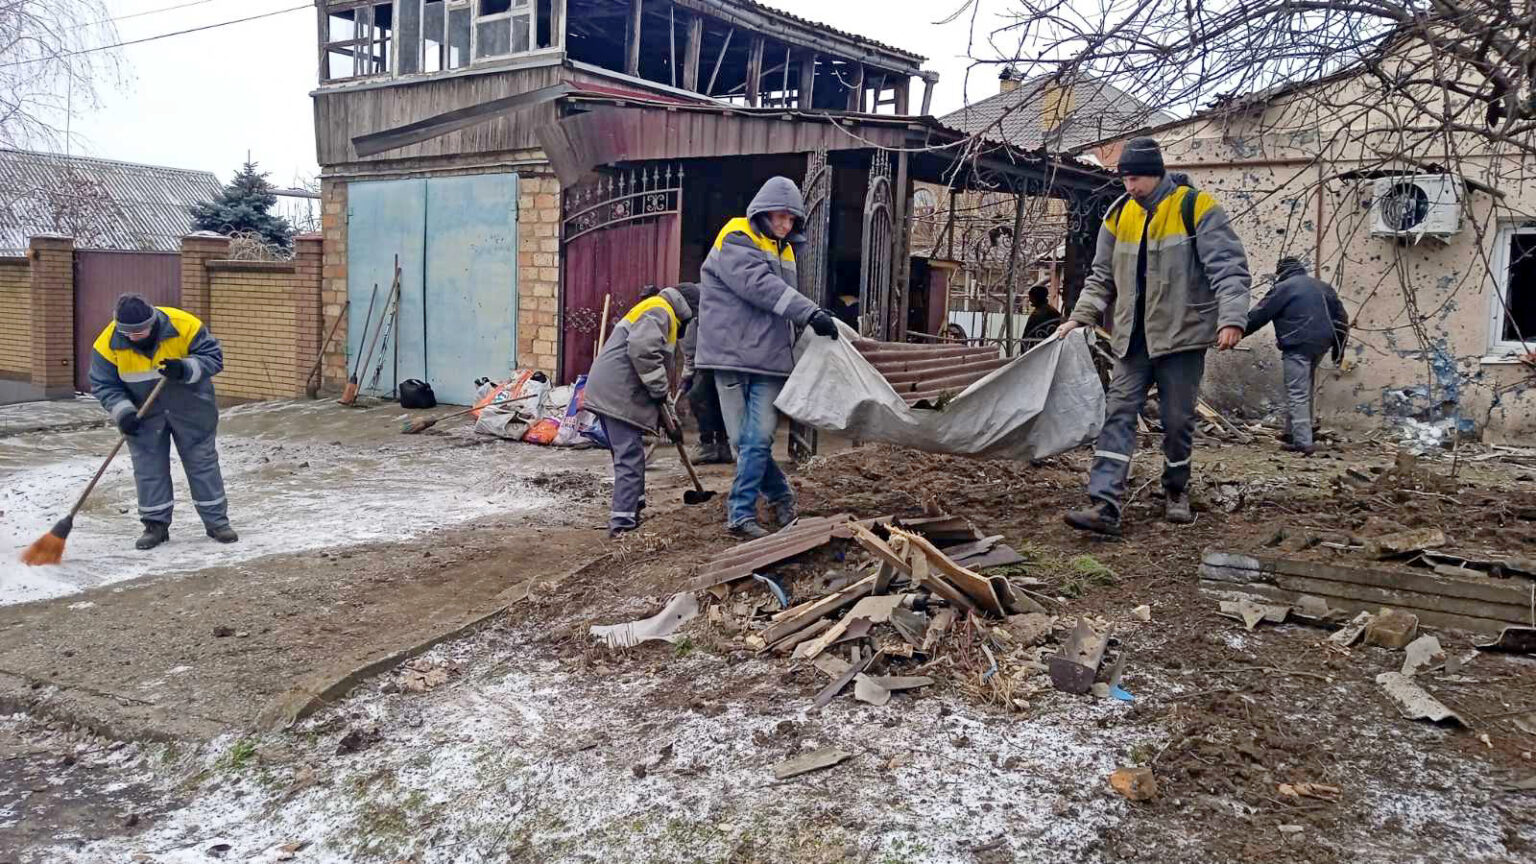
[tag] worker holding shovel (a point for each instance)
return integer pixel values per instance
(142, 345)
(628, 390)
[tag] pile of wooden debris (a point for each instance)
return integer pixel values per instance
(901, 608)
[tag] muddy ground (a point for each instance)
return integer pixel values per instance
(520, 741)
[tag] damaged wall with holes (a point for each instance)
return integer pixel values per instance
(1437, 270)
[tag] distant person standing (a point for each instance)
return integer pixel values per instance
(1171, 273)
(1309, 323)
(142, 345)
(1043, 317)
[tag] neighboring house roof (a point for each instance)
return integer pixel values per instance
(101, 203)
(1097, 110)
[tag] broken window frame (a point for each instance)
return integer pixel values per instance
(1498, 346)
(380, 43)
(529, 11)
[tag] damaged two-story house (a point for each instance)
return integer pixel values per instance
(533, 163)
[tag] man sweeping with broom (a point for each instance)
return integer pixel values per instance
(142, 345)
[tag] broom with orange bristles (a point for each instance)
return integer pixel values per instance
(49, 548)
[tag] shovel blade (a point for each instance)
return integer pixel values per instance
(695, 496)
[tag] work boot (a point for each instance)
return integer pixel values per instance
(617, 532)
(1100, 518)
(719, 452)
(749, 530)
(784, 512)
(1176, 510)
(154, 534)
(1303, 449)
(224, 534)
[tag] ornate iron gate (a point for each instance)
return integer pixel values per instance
(812, 267)
(875, 255)
(621, 233)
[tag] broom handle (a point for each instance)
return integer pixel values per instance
(153, 395)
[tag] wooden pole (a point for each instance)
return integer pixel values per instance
(672, 42)
(903, 96)
(755, 72)
(856, 89)
(807, 81)
(710, 87)
(632, 59)
(900, 197)
(1013, 266)
(928, 81)
(691, 53)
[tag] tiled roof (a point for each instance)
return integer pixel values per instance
(101, 203)
(1099, 110)
(806, 22)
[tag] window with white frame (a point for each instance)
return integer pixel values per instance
(1513, 320)
(359, 39)
(503, 27)
(365, 38)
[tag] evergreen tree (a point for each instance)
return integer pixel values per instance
(243, 206)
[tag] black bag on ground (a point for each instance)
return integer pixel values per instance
(416, 393)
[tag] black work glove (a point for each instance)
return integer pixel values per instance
(129, 423)
(823, 324)
(176, 370)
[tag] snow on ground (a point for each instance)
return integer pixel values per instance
(542, 758)
(300, 475)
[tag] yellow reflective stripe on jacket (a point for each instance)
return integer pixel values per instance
(647, 305)
(133, 365)
(1126, 223)
(743, 225)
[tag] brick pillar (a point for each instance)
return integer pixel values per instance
(333, 281)
(196, 251)
(538, 272)
(309, 261)
(53, 315)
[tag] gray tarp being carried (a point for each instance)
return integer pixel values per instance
(1046, 402)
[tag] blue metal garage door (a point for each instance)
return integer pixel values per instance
(457, 242)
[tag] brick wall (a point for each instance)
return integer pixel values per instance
(538, 272)
(15, 317)
(52, 313)
(196, 251)
(538, 267)
(267, 315)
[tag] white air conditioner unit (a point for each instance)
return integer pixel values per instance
(1415, 206)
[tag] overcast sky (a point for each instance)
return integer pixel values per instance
(202, 100)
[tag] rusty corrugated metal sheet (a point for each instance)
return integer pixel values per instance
(742, 561)
(101, 203)
(926, 372)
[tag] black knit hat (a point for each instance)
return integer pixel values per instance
(1143, 158)
(1289, 264)
(133, 313)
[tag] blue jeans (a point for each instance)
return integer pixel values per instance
(746, 402)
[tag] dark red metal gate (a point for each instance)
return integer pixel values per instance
(621, 234)
(101, 275)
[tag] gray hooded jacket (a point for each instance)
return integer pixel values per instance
(749, 306)
(1306, 312)
(1195, 285)
(630, 375)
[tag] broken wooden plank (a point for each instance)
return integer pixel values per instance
(809, 612)
(788, 643)
(741, 561)
(1270, 592)
(1075, 667)
(1404, 542)
(998, 556)
(1241, 568)
(829, 692)
(977, 587)
(973, 550)
(876, 610)
(805, 763)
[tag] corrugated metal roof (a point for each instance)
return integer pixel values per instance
(924, 373)
(103, 204)
(1098, 110)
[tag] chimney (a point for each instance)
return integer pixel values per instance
(1007, 80)
(1055, 105)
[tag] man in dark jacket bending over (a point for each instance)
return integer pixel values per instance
(749, 310)
(1309, 322)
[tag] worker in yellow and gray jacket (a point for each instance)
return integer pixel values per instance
(142, 345)
(628, 386)
(1171, 274)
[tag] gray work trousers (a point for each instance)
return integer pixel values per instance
(1299, 366)
(1178, 388)
(627, 444)
(150, 448)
